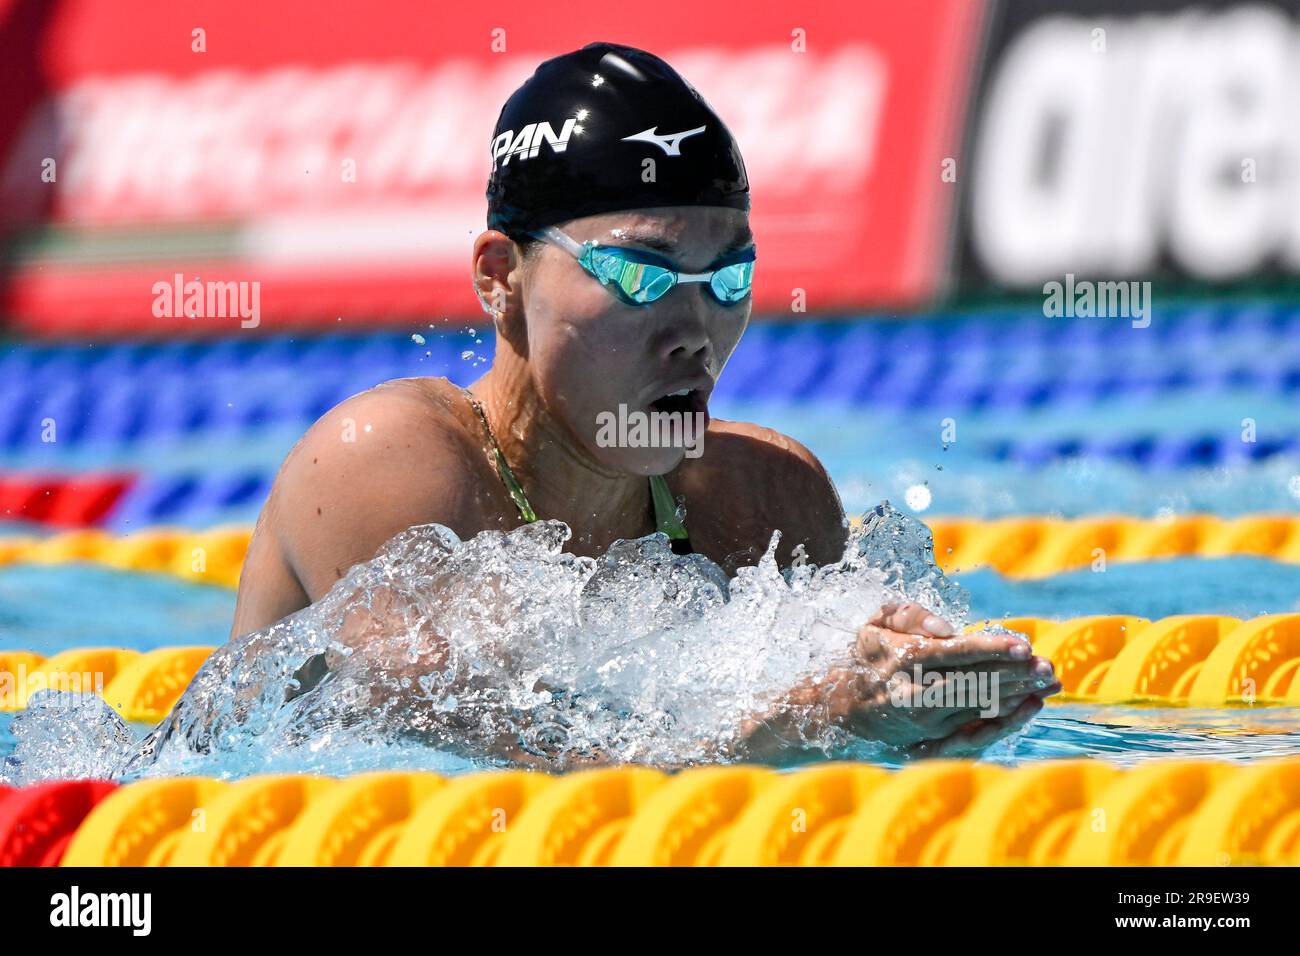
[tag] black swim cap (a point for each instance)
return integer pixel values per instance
(573, 139)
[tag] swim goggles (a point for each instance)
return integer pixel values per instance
(639, 278)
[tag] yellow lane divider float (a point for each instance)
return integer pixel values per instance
(1198, 660)
(953, 813)
(210, 557)
(1023, 547)
(141, 686)
(1035, 547)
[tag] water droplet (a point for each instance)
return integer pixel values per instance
(917, 497)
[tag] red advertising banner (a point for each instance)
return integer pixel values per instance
(336, 154)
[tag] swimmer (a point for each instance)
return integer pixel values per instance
(616, 267)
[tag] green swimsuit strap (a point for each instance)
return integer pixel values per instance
(667, 519)
(508, 478)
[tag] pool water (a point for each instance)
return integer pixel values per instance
(53, 608)
(927, 459)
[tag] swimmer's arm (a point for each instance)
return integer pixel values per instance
(268, 588)
(373, 466)
(860, 698)
(389, 647)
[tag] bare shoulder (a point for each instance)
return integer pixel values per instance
(397, 455)
(749, 440)
(751, 480)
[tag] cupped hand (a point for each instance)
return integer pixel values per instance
(919, 686)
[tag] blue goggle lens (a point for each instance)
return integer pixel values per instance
(732, 283)
(639, 282)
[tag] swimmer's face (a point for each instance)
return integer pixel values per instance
(591, 353)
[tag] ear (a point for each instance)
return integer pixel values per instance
(497, 268)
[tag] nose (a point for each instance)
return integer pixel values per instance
(686, 333)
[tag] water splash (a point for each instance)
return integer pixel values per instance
(69, 736)
(505, 649)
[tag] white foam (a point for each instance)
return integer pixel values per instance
(504, 648)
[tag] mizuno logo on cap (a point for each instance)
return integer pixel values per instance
(529, 141)
(670, 143)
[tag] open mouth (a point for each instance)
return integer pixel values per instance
(684, 402)
(680, 403)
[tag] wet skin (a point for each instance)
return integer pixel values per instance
(413, 451)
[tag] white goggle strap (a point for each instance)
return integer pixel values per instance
(567, 243)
